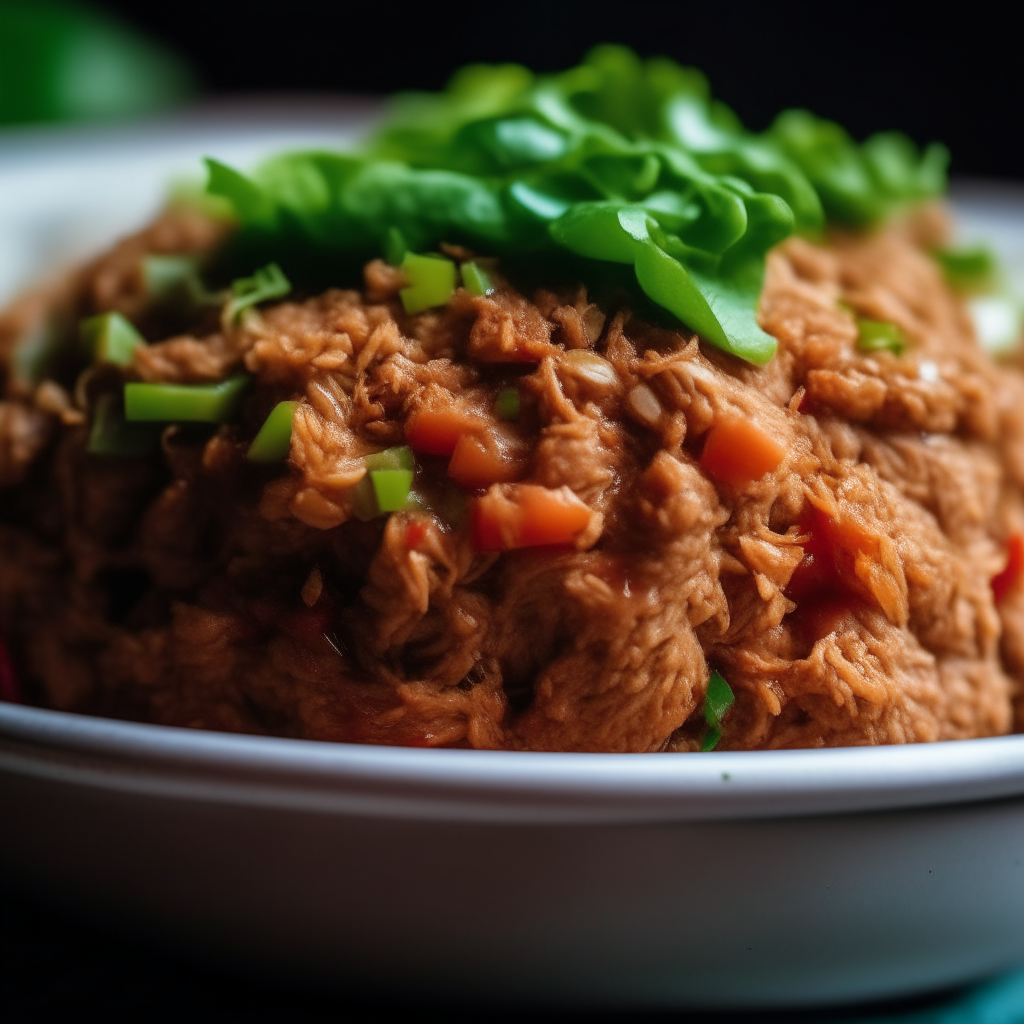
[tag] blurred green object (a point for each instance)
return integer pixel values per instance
(68, 62)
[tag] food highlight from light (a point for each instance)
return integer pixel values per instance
(564, 414)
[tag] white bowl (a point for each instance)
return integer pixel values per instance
(725, 879)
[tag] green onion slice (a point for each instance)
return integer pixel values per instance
(184, 403)
(879, 336)
(431, 282)
(111, 435)
(110, 338)
(274, 440)
(718, 698)
(476, 280)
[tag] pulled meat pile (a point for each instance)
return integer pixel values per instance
(830, 532)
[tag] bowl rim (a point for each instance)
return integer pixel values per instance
(510, 787)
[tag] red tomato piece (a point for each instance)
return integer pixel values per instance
(1010, 577)
(437, 431)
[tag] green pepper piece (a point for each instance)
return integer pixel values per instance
(968, 269)
(399, 457)
(431, 282)
(718, 698)
(274, 439)
(879, 336)
(507, 404)
(110, 338)
(162, 274)
(268, 282)
(184, 403)
(391, 487)
(111, 435)
(476, 279)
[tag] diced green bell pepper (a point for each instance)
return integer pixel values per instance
(274, 439)
(387, 483)
(184, 403)
(476, 280)
(431, 282)
(879, 336)
(110, 338)
(391, 488)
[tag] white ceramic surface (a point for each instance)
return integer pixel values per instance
(726, 879)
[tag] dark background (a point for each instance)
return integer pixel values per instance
(953, 73)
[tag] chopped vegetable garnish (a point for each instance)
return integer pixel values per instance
(35, 352)
(738, 452)
(879, 336)
(386, 486)
(110, 338)
(437, 431)
(506, 405)
(163, 274)
(717, 700)
(1011, 576)
(491, 457)
(111, 435)
(184, 403)
(268, 282)
(273, 441)
(431, 282)
(513, 516)
(399, 457)
(620, 160)
(970, 270)
(476, 280)
(391, 488)
(414, 535)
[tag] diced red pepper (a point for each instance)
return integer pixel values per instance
(1010, 578)
(738, 452)
(494, 457)
(10, 690)
(513, 516)
(437, 431)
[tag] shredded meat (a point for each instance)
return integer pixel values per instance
(846, 594)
